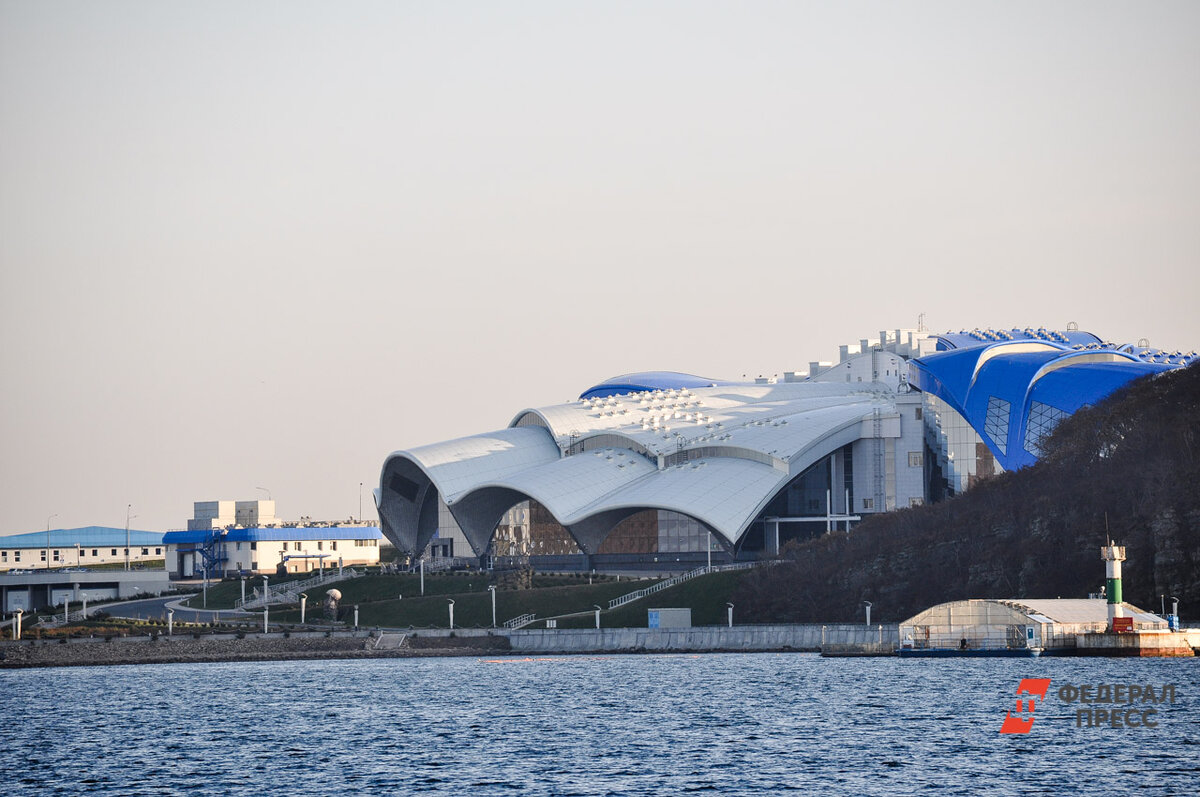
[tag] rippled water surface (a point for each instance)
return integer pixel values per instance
(637, 725)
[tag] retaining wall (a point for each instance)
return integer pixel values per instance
(740, 638)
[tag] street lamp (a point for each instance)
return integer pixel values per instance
(451, 602)
(597, 608)
(303, 602)
(868, 605)
(492, 589)
(729, 613)
(77, 554)
(48, 539)
(128, 516)
(170, 622)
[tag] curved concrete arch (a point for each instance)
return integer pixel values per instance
(411, 481)
(479, 512)
(407, 504)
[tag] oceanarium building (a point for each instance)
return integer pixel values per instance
(670, 468)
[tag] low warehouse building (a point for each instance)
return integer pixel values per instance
(1012, 627)
(83, 547)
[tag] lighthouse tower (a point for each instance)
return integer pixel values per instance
(1113, 555)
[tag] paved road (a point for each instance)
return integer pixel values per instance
(156, 608)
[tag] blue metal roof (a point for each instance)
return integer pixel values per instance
(302, 533)
(648, 380)
(969, 339)
(1014, 393)
(99, 536)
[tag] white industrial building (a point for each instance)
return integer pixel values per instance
(241, 537)
(85, 547)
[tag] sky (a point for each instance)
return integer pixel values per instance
(249, 249)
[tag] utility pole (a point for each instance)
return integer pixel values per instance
(128, 517)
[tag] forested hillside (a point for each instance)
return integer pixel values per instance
(1032, 533)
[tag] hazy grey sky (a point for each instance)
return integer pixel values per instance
(264, 244)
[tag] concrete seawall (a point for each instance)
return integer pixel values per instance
(738, 638)
(435, 642)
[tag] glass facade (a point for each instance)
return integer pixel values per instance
(957, 456)
(1042, 420)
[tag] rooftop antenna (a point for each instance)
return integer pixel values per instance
(921, 322)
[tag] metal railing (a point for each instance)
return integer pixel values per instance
(670, 582)
(446, 563)
(289, 591)
(519, 622)
(679, 579)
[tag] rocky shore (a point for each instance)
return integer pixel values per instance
(187, 648)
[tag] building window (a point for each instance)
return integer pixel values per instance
(916, 501)
(333, 545)
(95, 552)
(320, 545)
(3, 556)
(145, 552)
(1042, 420)
(919, 413)
(254, 565)
(158, 551)
(239, 546)
(868, 503)
(56, 556)
(16, 556)
(996, 422)
(43, 553)
(114, 551)
(254, 547)
(914, 459)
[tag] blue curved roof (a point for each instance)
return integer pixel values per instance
(648, 380)
(1014, 392)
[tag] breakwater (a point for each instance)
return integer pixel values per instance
(433, 642)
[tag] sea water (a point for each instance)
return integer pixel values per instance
(591, 725)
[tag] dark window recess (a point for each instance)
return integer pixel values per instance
(404, 487)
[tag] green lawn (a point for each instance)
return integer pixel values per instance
(705, 596)
(379, 604)
(377, 587)
(222, 594)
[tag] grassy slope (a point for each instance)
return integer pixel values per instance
(374, 596)
(552, 597)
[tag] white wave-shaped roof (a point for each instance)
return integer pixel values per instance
(716, 454)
